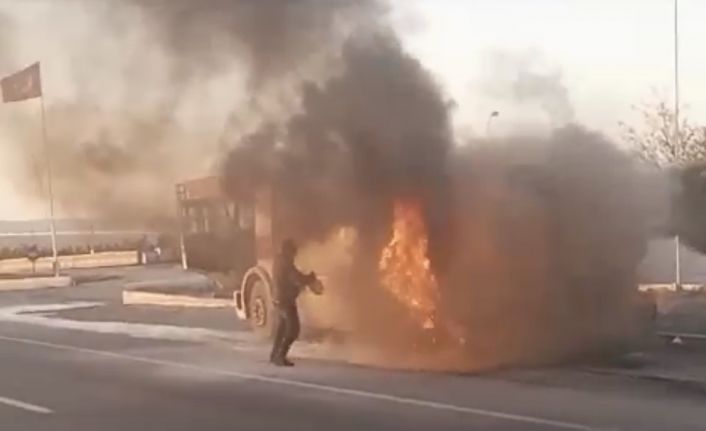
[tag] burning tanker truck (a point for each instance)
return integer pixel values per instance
(528, 256)
(433, 252)
(235, 242)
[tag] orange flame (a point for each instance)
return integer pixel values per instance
(404, 267)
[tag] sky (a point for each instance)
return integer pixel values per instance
(598, 58)
(611, 55)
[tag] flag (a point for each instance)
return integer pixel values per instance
(23, 85)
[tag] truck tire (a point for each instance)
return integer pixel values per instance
(261, 312)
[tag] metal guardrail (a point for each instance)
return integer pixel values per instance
(687, 287)
(76, 232)
(685, 336)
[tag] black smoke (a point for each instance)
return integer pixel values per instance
(272, 38)
(376, 132)
(139, 142)
(535, 241)
(688, 194)
(548, 233)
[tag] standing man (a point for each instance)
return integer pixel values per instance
(288, 283)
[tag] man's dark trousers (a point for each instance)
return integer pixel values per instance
(287, 330)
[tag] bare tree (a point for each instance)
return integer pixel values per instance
(661, 143)
(656, 141)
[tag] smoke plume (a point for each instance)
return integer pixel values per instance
(524, 79)
(535, 241)
(133, 124)
(110, 166)
(377, 131)
(271, 37)
(547, 236)
(689, 205)
(6, 40)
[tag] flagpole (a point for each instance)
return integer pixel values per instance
(50, 189)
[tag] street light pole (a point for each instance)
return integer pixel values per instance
(676, 77)
(677, 136)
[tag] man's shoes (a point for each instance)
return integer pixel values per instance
(282, 362)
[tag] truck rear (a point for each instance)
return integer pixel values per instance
(234, 242)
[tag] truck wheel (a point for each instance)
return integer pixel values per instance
(261, 312)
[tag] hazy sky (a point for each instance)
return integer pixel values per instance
(611, 54)
(599, 56)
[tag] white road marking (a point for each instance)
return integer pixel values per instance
(25, 406)
(47, 308)
(33, 315)
(314, 386)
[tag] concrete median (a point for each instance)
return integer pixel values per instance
(31, 283)
(193, 290)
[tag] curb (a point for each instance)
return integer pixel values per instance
(96, 260)
(136, 297)
(191, 286)
(699, 384)
(35, 283)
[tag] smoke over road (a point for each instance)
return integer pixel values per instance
(534, 242)
(6, 37)
(135, 121)
(547, 236)
(272, 37)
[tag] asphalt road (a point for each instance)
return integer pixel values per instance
(80, 379)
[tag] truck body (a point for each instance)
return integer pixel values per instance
(234, 241)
